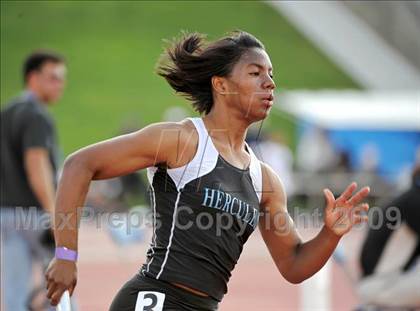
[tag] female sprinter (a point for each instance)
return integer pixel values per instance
(209, 192)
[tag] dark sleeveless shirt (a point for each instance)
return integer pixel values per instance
(204, 213)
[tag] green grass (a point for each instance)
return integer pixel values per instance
(112, 49)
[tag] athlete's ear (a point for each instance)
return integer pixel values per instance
(219, 84)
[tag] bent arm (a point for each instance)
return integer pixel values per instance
(295, 260)
(300, 261)
(111, 158)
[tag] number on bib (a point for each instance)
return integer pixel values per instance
(150, 301)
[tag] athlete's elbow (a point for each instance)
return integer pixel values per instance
(77, 163)
(290, 272)
(72, 161)
(293, 278)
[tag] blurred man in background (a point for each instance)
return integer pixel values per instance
(400, 288)
(28, 173)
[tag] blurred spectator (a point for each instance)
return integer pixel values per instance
(315, 152)
(368, 173)
(369, 159)
(404, 177)
(343, 164)
(28, 174)
(396, 288)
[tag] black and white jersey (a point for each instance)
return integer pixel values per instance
(204, 212)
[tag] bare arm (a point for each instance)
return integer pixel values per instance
(152, 145)
(296, 260)
(40, 176)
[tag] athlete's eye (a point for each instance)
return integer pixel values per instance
(254, 73)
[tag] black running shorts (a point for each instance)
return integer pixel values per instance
(143, 293)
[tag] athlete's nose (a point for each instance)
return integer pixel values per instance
(269, 84)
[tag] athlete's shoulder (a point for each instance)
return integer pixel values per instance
(168, 131)
(272, 186)
(184, 125)
(267, 169)
(268, 174)
(177, 139)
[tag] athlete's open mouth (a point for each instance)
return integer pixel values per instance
(268, 97)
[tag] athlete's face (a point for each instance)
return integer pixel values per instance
(250, 86)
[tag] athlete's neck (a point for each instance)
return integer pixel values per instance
(226, 128)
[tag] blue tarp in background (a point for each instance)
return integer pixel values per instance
(396, 149)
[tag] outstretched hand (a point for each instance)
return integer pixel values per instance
(343, 213)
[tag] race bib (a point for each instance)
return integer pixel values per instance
(150, 301)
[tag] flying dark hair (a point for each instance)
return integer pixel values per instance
(190, 62)
(37, 59)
